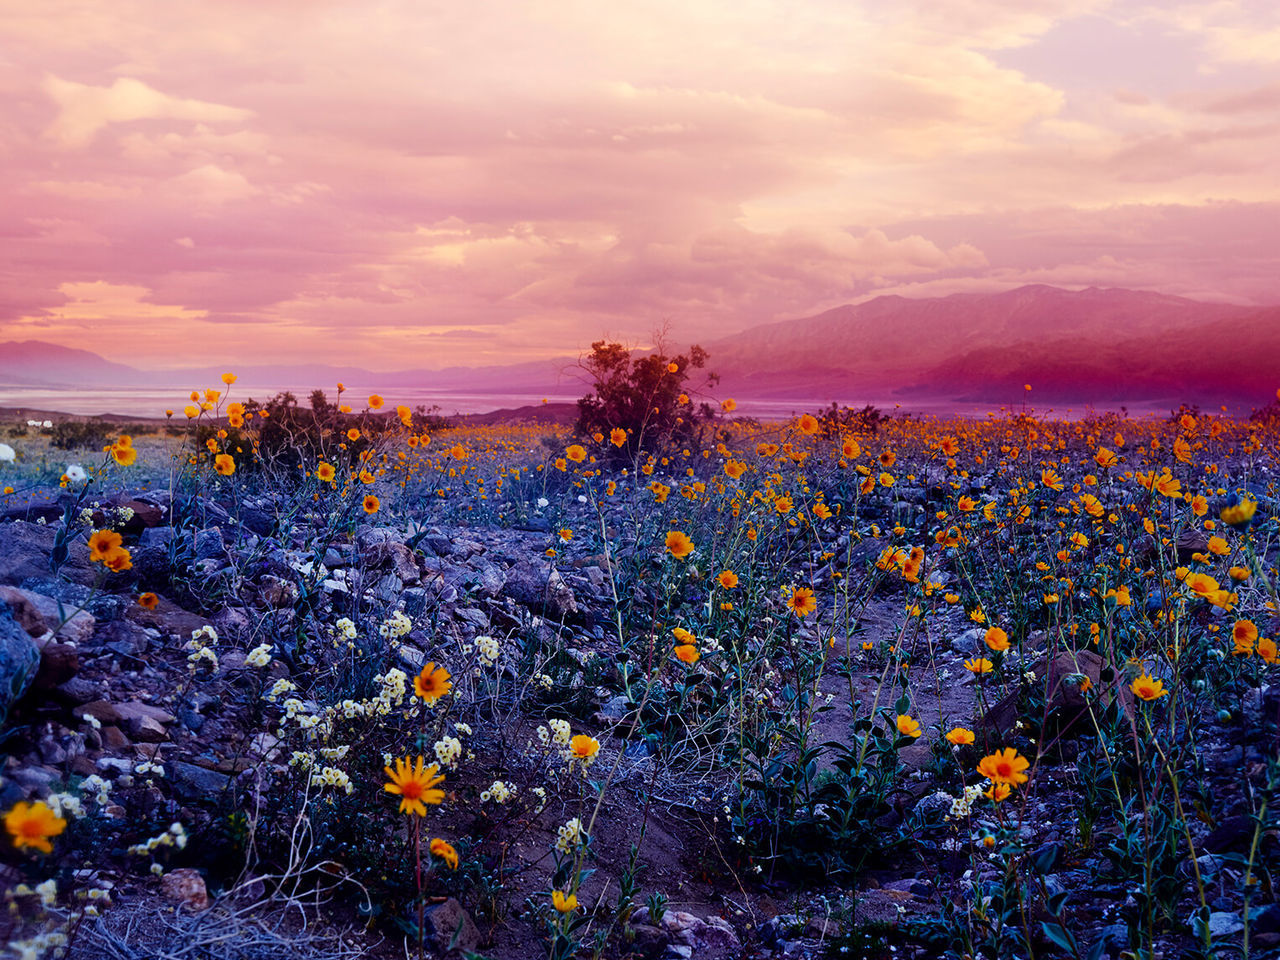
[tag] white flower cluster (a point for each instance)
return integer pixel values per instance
(489, 649)
(201, 648)
(569, 837)
(394, 683)
(395, 626)
(962, 806)
(175, 836)
(96, 786)
(148, 766)
(346, 628)
(332, 777)
(279, 689)
(499, 792)
(259, 656)
(47, 891)
(543, 680)
(64, 805)
(559, 733)
(448, 749)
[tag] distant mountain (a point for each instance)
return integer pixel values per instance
(37, 363)
(1094, 344)
(1091, 345)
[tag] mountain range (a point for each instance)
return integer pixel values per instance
(1092, 345)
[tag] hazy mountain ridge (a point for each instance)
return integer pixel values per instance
(1086, 345)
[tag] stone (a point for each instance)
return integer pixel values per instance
(24, 609)
(1223, 924)
(197, 780)
(25, 549)
(540, 588)
(59, 662)
(186, 888)
(19, 660)
(450, 928)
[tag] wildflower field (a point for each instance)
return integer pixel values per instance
(278, 684)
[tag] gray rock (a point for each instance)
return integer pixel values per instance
(198, 780)
(1223, 924)
(450, 928)
(540, 588)
(19, 660)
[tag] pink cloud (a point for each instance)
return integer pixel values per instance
(499, 180)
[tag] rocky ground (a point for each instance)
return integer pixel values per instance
(115, 696)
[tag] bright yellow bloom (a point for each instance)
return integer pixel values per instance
(577, 453)
(432, 683)
(584, 748)
(978, 665)
(996, 639)
(687, 653)
(1148, 688)
(445, 852)
(1004, 766)
(225, 464)
(678, 544)
(415, 785)
(562, 903)
(960, 736)
(728, 579)
(908, 726)
(802, 602)
(32, 824)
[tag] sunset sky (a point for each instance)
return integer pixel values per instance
(423, 183)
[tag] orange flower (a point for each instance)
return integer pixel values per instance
(122, 452)
(728, 579)
(802, 602)
(996, 639)
(808, 425)
(432, 683)
(617, 436)
(325, 472)
(1148, 688)
(148, 601)
(376, 402)
(850, 449)
(118, 561)
(103, 543)
(908, 726)
(1051, 480)
(978, 665)
(224, 464)
(228, 378)
(687, 653)
(32, 824)
(1004, 766)
(735, 469)
(728, 406)
(960, 736)
(584, 748)
(1105, 458)
(416, 786)
(371, 504)
(439, 848)
(577, 453)
(678, 544)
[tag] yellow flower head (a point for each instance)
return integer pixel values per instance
(415, 785)
(32, 824)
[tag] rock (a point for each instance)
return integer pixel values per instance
(25, 549)
(123, 637)
(146, 729)
(233, 625)
(19, 660)
(185, 887)
(393, 557)
(197, 780)
(1223, 924)
(540, 588)
(24, 610)
(59, 662)
(450, 928)
(648, 939)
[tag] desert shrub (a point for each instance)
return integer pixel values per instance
(648, 397)
(82, 434)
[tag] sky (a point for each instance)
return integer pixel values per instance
(413, 183)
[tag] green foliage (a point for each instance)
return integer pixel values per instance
(642, 395)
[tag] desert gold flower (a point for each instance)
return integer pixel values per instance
(996, 639)
(32, 825)
(432, 683)
(225, 464)
(960, 736)
(371, 504)
(728, 579)
(908, 726)
(565, 904)
(802, 602)
(1004, 766)
(678, 544)
(577, 453)
(445, 852)
(415, 785)
(1147, 688)
(687, 653)
(583, 747)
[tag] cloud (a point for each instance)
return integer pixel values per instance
(83, 110)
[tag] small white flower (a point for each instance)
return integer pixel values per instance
(75, 473)
(543, 502)
(259, 656)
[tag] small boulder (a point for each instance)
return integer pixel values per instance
(185, 887)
